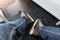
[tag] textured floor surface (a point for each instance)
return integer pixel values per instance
(37, 12)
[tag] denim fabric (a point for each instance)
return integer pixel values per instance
(49, 33)
(6, 28)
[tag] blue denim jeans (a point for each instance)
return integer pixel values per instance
(6, 28)
(49, 33)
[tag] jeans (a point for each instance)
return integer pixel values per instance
(49, 33)
(6, 28)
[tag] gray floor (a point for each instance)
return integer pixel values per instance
(37, 12)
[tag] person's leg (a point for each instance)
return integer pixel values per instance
(6, 28)
(46, 32)
(49, 33)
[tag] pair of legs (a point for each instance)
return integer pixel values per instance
(46, 32)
